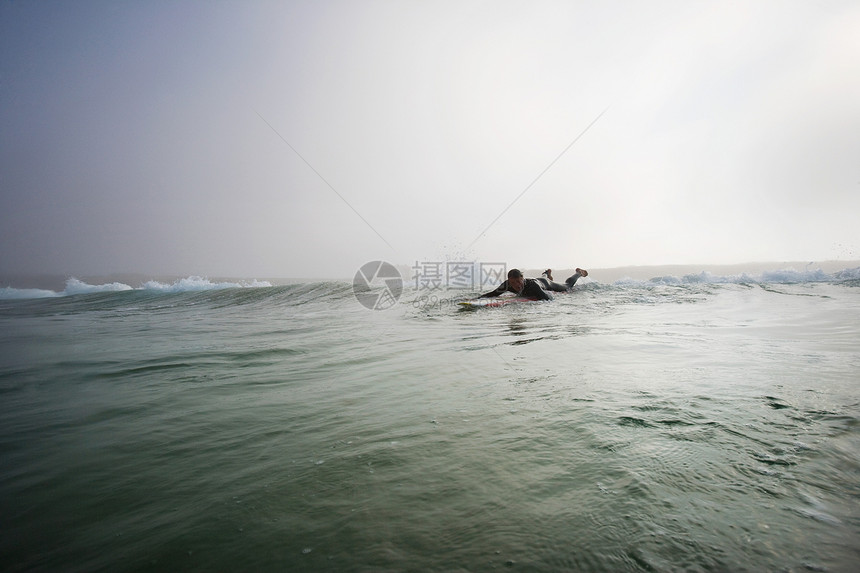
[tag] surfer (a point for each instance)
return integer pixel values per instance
(534, 288)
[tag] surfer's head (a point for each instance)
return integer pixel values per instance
(515, 279)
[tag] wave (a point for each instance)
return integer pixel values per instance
(196, 284)
(75, 286)
(784, 276)
(192, 284)
(9, 293)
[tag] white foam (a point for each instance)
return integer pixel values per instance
(847, 274)
(76, 286)
(783, 276)
(9, 293)
(194, 284)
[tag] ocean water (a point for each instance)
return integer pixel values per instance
(696, 423)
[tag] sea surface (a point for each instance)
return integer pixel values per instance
(682, 423)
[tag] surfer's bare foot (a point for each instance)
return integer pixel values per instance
(582, 272)
(548, 274)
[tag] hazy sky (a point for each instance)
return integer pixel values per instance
(135, 137)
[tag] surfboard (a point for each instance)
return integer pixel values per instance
(497, 301)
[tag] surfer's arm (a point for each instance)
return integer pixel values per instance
(541, 294)
(499, 290)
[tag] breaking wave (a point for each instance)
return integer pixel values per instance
(784, 276)
(192, 284)
(76, 287)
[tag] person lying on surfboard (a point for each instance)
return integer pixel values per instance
(534, 288)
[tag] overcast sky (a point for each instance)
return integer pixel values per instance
(168, 137)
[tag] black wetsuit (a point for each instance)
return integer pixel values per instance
(534, 288)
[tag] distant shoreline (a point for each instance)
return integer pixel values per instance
(57, 282)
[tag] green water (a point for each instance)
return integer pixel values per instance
(626, 428)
